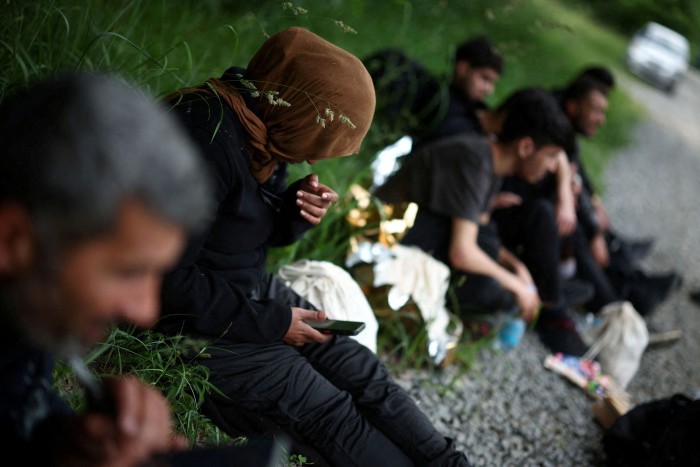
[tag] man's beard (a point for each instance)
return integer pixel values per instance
(61, 347)
(29, 301)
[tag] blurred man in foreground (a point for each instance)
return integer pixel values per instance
(98, 190)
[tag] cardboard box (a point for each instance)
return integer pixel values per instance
(608, 408)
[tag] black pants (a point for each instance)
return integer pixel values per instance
(530, 231)
(336, 397)
(589, 270)
(477, 293)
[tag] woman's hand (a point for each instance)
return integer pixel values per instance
(300, 333)
(314, 199)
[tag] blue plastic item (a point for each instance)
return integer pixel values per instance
(510, 333)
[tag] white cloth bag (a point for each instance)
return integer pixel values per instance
(619, 341)
(412, 273)
(332, 289)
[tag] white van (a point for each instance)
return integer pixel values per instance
(659, 55)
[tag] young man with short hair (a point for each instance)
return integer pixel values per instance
(453, 181)
(477, 68)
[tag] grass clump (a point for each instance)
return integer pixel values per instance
(166, 362)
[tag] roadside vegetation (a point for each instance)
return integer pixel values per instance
(161, 45)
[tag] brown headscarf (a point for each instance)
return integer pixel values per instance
(331, 99)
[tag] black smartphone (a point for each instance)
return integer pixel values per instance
(335, 326)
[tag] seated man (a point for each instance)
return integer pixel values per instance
(271, 368)
(612, 272)
(613, 278)
(413, 101)
(453, 180)
(478, 66)
(98, 189)
(632, 250)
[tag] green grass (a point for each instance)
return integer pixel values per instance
(162, 361)
(161, 45)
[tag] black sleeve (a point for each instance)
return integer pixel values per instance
(210, 305)
(290, 226)
(586, 216)
(200, 299)
(585, 212)
(32, 414)
(586, 180)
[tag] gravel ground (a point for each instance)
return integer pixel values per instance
(508, 410)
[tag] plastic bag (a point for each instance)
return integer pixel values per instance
(333, 290)
(619, 341)
(413, 277)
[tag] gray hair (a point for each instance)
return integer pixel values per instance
(75, 147)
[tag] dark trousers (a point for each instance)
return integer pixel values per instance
(477, 293)
(530, 232)
(589, 270)
(336, 397)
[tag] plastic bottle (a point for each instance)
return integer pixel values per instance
(510, 333)
(586, 325)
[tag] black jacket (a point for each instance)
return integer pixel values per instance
(32, 414)
(212, 290)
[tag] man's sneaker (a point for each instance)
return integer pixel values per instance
(647, 292)
(631, 250)
(558, 333)
(637, 250)
(695, 296)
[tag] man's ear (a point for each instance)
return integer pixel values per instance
(526, 147)
(462, 67)
(16, 239)
(570, 108)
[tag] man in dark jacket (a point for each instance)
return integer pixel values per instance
(602, 256)
(454, 179)
(478, 67)
(585, 102)
(98, 189)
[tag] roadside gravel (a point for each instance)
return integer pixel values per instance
(508, 410)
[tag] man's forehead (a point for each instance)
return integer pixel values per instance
(487, 71)
(596, 97)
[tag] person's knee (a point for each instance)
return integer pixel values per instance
(483, 294)
(542, 213)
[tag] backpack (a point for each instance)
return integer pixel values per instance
(410, 99)
(659, 433)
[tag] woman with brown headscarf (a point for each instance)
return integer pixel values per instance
(300, 99)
